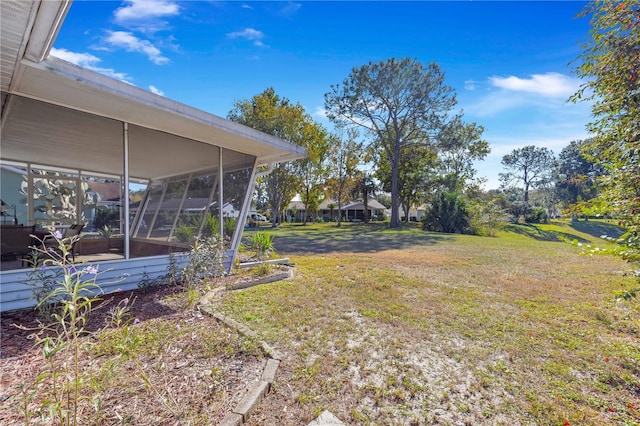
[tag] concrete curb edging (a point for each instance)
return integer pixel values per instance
(240, 414)
(264, 280)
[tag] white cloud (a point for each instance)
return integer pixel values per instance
(321, 112)
(551, 84)
(470, 85)
(249, 34)
(543, 92)
(154, 89)
(290, 9)
(85, 60)
(529, 111)
(146, 16)
(131, 43)
(495, 103)
(137, 10)
(246, 6)
(88, 61)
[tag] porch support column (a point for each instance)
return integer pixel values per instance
(125, 183)
(220, 193)
(246, 204)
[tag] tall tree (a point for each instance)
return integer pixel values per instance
(276, 116)
(416, 175)
(345, 156)
(610, 65)
(530, 166)
(400, 102)
(459, 145)
(368, 187)
(314, 167)
(363, 186)
(577, 174)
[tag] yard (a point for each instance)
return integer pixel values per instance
(386, 327)
(394, 327)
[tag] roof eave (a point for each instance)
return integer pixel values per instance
(68, 85)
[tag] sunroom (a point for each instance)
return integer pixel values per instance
(140, 174)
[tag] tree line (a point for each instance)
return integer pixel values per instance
(416, 149)
(395, 117)
(398, 117)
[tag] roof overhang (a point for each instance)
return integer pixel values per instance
(53, 109)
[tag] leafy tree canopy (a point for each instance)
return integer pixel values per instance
(277, 116)
(610, 65)
(610, 62)
(399, 102)
(530, 166)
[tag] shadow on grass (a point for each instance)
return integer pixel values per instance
(536, 233)
(598, 228)
(356, 238)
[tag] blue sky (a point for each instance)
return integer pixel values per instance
(508, 61)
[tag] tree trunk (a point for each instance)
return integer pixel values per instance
(366, 200)
(306, 208)
(395, 200)
(274, 216)
(339, 211)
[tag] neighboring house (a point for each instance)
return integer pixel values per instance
(295, 212)
(350, 211)
(415, 213)
(64, 126)
(354, 211)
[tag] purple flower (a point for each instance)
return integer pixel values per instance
(136, 321)
(177, 326)
(57, 234)
(91, 270)
(43, 267)
(72, 269)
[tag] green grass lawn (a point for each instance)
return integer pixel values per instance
(383, 326)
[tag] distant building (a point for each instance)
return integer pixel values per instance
(351, 211)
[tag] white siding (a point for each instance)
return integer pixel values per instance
(114, 275)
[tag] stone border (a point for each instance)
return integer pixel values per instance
(263, 280)
(240, 414)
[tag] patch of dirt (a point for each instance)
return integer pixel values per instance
(199, 375)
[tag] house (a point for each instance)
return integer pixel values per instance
(64, 126)
(295, 212)
(354, 211)
(351, 211)
(416, 213)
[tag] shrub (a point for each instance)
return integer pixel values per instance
(185, 233)
(106, 231)
(211, 226)
(447, 213)
(105, 217)
(229, 226)
(206, 260)
(538, 215)
(261, 244)
(486, 218)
